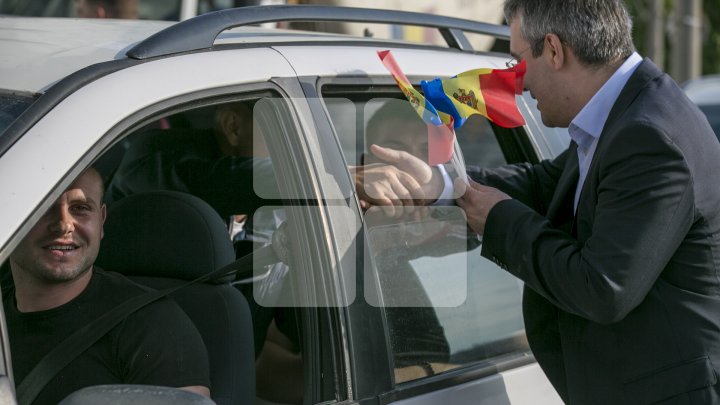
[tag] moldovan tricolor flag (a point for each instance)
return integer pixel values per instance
(448, 103)
(488, 92)
(441, 135)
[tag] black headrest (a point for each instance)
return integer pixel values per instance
(164, 234)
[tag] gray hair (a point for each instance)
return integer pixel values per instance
(599, 32)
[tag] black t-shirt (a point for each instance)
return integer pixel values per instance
(156, 345)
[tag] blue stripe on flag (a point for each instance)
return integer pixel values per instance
(435, 95)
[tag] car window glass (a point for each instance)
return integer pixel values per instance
(445, 305)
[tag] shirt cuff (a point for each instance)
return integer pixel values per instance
(446, 197)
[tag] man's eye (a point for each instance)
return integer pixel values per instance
(82, 208)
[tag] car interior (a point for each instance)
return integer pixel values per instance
(203, 229)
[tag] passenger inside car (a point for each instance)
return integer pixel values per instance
(209, 162)
(56, 290)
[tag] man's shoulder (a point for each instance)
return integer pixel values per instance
(117, 284)
(161, 312)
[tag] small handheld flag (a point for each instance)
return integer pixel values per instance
(448, 103)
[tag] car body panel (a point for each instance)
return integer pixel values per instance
(61, 41)
(364, 61)
(516, 386)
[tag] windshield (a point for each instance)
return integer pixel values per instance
(11, 106)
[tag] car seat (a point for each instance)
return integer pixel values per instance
(163, 239)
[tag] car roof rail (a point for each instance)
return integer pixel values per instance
(200, 32)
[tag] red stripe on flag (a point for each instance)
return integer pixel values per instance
(441, 139)
(498, 90)
(391, 64)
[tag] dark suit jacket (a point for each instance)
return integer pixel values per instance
(622, 300)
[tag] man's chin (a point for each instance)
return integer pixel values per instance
(63, 274)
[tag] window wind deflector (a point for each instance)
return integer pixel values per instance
(200, 32)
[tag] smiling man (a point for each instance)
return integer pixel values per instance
(57, 290)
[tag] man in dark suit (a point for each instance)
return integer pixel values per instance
(617, 239)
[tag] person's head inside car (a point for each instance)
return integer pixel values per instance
(237, 132)
(57, 294)
(395, 125)
(52, 264)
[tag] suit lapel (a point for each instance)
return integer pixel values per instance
(645, 72)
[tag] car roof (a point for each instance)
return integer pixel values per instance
(40, 51)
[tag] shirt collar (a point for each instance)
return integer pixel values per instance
(591, 119)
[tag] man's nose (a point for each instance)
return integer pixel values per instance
(62, 222)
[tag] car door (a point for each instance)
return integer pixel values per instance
(428, 320)
(98, 113)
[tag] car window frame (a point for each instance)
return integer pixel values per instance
(369, 379)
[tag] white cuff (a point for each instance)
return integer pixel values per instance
(446, 197)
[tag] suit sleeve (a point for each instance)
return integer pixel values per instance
(530, 184)
(644, 210)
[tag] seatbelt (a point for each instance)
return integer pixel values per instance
(81, 340)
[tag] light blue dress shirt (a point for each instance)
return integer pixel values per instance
(586, 127)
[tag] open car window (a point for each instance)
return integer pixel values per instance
(445, 306)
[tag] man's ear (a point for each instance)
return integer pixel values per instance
(554, 51)
(228, 126)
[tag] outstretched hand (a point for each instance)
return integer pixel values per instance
(477, 201)
(399, 185)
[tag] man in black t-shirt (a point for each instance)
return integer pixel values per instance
(56, 290)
